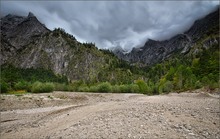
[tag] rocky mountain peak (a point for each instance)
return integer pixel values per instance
(150, 43)
(30, 14)
(19, 30)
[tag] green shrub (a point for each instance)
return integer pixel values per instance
(71, 87)
(83, 89)
(166, 87)
(125, 88)
(4, 87)
(198, 85)
(39, 87)
(61, 87)
(116, 89)
(22, 85)
(129, 88)
(152, 88)
(142, 86)
(75, 85)
(93, 89)
(104, 87)
(213, 85)
(134, 88)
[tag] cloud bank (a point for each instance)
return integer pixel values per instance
(114, 23)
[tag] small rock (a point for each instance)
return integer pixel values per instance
(8, 131)
(192, 134)
(129, 135)
(189, 127)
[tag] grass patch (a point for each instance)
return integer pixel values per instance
(39, 87)
(18, 93)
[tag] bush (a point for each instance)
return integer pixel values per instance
(198, 85)
(213, 85)
(93, 89)
(75, 85)
(22, 85)
(4, 87)
(125, 88)
(142, 86)
(83, 89)
(71, 87)
(134, 88)
(104, 87)
(116, 89)
(61, 87)
(166, 87)
(39, 87)
(152, 88)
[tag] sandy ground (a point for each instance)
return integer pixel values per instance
(67, 115)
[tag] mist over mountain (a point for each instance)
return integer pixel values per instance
(153, 51)
(108, 24)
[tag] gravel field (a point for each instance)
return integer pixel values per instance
(67, 115)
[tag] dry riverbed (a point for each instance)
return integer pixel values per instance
(67, 115)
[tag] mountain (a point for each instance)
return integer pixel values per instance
(26, 43)
(30, 52)
(17, 32)
(154, 52)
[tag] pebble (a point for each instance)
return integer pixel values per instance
(192, 134)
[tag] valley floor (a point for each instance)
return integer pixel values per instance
(70, 115)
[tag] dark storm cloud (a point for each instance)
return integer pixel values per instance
(111, 23)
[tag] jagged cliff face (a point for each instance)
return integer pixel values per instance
(26, 43)
(156, 51)
(17, 32)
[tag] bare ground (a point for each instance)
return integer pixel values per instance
(97, 115)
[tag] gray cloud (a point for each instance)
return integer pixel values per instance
(115, 23)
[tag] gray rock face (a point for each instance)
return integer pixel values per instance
(17, 32)
(26, 43)
(156, 51)
(30, 14)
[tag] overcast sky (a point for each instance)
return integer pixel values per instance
(114, 23)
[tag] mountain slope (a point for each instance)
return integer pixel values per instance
(156, 51)
(26, 43)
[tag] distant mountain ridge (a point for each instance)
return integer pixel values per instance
(27, 43)
(156, 51)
